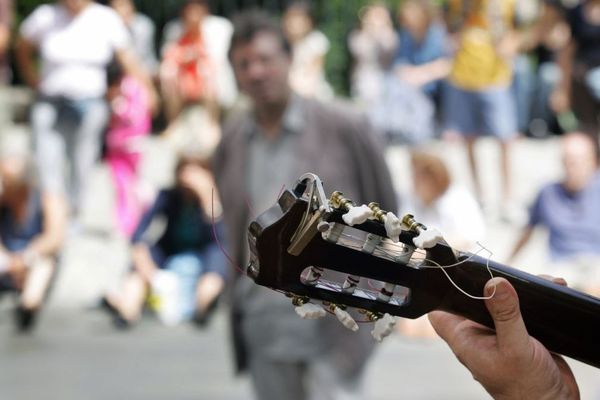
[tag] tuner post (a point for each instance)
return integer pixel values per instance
(412, 225)
(338, 201)
(378, 213)
(370, 315)
(298, 301)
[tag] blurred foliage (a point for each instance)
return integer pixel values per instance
(336, 18)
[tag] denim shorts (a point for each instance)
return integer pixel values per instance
(490, 111)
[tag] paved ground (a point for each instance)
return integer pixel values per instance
(76, 355)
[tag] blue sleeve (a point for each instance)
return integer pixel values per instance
(536, 210)
(401, 56)
(439, 36)
(158, 208)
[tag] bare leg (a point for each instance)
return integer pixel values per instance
(36, 284)
(130, 300)
(470, 142)
(210, 285)
(505, 170)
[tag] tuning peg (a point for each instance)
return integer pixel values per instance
(357, 215)
(393, 226)
(378, 213)
(338, 201)
(310, 311)
(427, 238)
(408, 220)
(344, 317)
(383, 327)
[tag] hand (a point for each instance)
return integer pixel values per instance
(508, 47)
(414, 76)
(196, 178)
(508, 363)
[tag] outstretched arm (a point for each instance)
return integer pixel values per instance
(523, 239)
(507, 362)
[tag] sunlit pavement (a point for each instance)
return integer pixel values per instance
(76, 354)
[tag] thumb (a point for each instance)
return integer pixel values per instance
(504, 309)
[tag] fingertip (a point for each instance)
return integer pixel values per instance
(497, 287)
(560, 281)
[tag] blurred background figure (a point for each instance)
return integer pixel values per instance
(184, 268)
(412, 89)
(422, 55)
(142, 31)
(189, 85)
(548, 35)
(478, 100)
(569, 211)
(217, 33)
(372, 46)
(309, 48)
(265, 147)
(438, 202)
(131, 120)
(579, 61)
(6, 21)
(187, 70)
(75, 40)
(32, 225)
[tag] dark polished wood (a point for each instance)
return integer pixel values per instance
(564, 320)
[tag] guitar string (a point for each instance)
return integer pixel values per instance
(384, 251)
(436, 265)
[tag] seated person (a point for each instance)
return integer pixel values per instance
(187, 248)
(438, 202)
(569, 211)
(32, 227)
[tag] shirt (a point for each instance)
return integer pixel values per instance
(586, 35)
(455, 214)
(573, 219)
(431, 48)
(75, 50)
(477, 65)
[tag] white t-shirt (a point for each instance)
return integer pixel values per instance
(75, 50)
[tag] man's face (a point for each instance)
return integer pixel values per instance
(75, 6)
(579, 162)
(261, 68)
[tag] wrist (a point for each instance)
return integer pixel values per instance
(557, 390)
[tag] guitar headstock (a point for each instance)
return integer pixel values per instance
(303, 247)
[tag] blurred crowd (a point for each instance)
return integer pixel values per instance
(246, 107)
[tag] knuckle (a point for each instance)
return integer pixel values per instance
(506, 314)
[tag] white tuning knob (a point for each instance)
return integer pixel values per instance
(427, 238)
(346, 319)
(310, 311)
(393, 226)
(383, 327)
(357, 215)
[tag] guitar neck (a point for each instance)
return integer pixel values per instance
(566, 321)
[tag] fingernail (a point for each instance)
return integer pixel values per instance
(497, 287)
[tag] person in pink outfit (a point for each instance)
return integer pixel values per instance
(131, 120)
